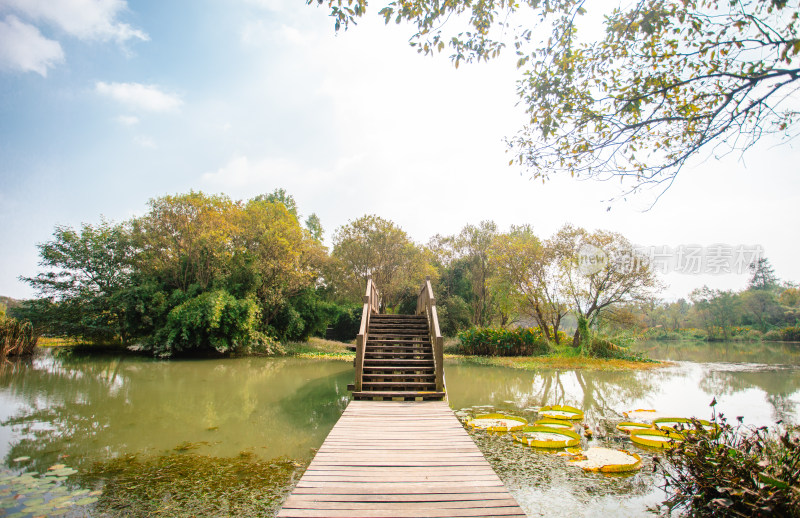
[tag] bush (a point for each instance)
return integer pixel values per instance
(790, 334)
(214, 321)
(345, 327)
(488, 341)
(787, 334)
(743, 471)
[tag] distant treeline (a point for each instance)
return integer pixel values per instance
(202, 272)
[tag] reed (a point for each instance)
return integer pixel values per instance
(16, 338)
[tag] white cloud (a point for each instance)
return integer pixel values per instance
(128, 120)
(83, 19)
(23, 47)
(139, 96)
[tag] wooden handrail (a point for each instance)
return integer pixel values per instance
(426, 305)
(371, 305)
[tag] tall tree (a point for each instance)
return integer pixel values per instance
(87, 271)
(185, 240)
(762, 275)
(473, 245)
(531, 268)
(599, 271)
(373, 246)
(668, 80)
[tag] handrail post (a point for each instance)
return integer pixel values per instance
(370, 306)
(426, 304)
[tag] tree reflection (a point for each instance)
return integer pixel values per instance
(96, 408)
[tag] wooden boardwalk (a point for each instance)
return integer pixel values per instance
(399, 459)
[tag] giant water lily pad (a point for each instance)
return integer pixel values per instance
(547, 437)
(562, 412)
(656, 438)
(628, 427)
(607, 460)
(498, 422)
(560, 424)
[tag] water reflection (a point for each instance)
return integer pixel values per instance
(90, 408)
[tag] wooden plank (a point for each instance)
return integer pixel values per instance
(399, 513)
(399, 459)
(487, 506)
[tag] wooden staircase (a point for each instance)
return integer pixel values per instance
(395, 355)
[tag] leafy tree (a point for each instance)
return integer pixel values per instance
(280, 196)
(314, 226)
(763, 275)
(667, 80)
(274, 258)
(718, 311)
(473, 244)
(197, 272)
(373, 246)
(531, 268)
(185, 240)
(86, 271)
(618, 277)
(762, 308)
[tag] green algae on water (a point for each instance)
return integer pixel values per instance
(188, 484)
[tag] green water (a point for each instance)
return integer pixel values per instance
(86, 412)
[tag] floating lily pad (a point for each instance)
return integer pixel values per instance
(656, 438)
(56, 467)
(547, 437)
(562, 412)
(21, 459)
(628, 427)
(607, 460)
(498, 422)
(554, 423)
(86, 501)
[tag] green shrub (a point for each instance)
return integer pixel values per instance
(790, 334)
(214, 321)
(772, 336)
(489, 341)
(743, 471)
(345, 327)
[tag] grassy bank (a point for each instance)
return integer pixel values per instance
(561, 358)
(558, 361)
(320, 349)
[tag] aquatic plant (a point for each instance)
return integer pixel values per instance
(187, 484)
(741, 471)
(16, 337)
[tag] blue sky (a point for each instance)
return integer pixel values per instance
(105, 104)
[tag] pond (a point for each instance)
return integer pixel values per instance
(130, 436)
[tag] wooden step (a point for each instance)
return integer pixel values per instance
(398, 325)
(404, 371)
(398, 377)
(388, 385)
(385, 316)
(408, 395)
(397, 341)
(397, 362)
(389, 350)
(398, 356)
(394, 337)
